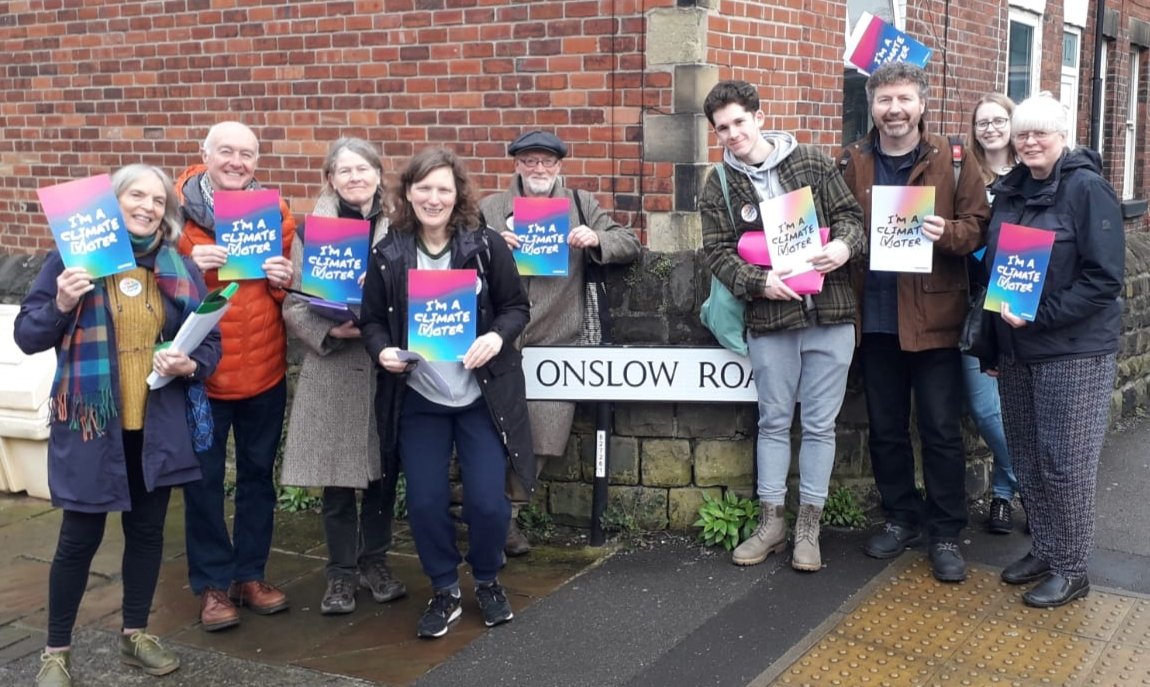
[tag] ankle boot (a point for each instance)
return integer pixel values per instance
(769, 537)
(806, 555)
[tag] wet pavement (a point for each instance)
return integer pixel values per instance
(669, 612)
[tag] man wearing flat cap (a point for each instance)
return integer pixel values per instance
(558, 304)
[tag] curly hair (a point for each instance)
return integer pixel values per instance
(465, 214)
(895, 73)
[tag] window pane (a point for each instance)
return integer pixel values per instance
(1070, 50)
(1019, 61)
(856, 114)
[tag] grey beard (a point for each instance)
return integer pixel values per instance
(537, 188)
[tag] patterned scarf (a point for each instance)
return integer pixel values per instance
(83, 386)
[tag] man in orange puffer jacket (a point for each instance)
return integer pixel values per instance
(248, 392)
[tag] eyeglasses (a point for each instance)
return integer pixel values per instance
(545, 162)
(1038, 136)
(998, 123)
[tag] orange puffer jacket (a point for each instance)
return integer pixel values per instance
(253, 334)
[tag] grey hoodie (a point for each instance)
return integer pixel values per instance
(765, 176)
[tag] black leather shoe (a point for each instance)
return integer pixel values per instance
(946, 561)
(893, 540)
(1000, 520)
(1027, 569)
(1057, 590)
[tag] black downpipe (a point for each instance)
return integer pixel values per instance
(1096, 80)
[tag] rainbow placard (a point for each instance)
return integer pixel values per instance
(791, 227)
(441, 313)
(896, 240)
(335, 257)
(875, 42)
(1019, 270)
(86, 222)
(248, 225)
(541, 225)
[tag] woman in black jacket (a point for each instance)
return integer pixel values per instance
(1056, 373)
(477, 405)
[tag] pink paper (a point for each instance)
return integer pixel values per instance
(753, 249)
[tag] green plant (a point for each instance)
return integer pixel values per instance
(536, 523)
(400, 509)
(727, 521)
(618, 519)
(296, 499)
(841, 510)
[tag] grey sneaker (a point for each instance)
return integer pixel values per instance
(493, 603)
(339, 598)
(443, 610)
(55, 669)
(374, 574)
(145, 652)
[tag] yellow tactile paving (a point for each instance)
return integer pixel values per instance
(908, 630)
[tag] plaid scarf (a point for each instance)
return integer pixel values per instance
(83, 395)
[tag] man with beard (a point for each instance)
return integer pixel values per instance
(558, 304)
(911, 324)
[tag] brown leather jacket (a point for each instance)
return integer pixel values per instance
(931, 307)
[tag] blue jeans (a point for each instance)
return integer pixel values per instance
(809, 367)
(890, 377)
(215, 559)
(986, 410)
(427, 433)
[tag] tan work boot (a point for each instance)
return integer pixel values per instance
(769, 537)
(517, 543)
(806, 555)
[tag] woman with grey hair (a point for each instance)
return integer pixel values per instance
(1056, 373)
(115, 444)
(335, 392)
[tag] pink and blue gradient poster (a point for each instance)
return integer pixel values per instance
(1019, 270)
(541, 225)
(896, 240)
(86, 222)
(335, 257)
(441, 313)
(791, 227)
(248, 225)
(875, 42)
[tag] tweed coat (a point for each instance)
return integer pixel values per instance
(331, 438)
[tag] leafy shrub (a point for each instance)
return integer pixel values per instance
(727, 521)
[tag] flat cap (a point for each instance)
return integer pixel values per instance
(538, 140)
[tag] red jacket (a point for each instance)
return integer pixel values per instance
(253, 334)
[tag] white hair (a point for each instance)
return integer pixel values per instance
(1041, 112)
(218, 128)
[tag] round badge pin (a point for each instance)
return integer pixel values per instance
(749, 213)
(131, 287)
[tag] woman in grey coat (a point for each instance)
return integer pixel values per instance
(332, 442)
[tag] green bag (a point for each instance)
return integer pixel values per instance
(722, 313)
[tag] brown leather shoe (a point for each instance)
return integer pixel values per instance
(259, 596)
(217, 611)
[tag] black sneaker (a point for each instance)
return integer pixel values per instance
(339, 598)
(893, 540)
(375, 574)
(1001, 520)
(946, 561)
(443, 610)
(493, 602)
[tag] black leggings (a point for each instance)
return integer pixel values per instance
(80, 537)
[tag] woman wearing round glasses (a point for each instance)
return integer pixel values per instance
(995, 156)
(1056, 373)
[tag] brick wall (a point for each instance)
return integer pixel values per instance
(88, 87)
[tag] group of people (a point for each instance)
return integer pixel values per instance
(1039, 394)
(115, 445)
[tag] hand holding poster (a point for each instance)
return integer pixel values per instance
(541, 225)
(753, 249)
(791, 227)
(875, 42)
(896, 240)
(86, 222)
(248, 225)
(1019, 269)
(441, 313)
(335, 257)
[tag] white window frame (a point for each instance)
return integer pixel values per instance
(1071, 77)
(1034, 21)
(1130, 158)
(1104, 67)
